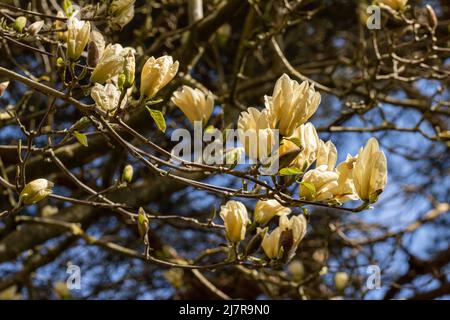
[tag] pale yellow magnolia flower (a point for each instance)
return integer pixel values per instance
(107, 97)
(255, 133)
(290, 231)
(265, 210)
(394, 4)
(196, 105)
(234, 215)
(326, 155)
(129, 68)
(110, 64)
(318, 184)
(370, 171)
(97, 38)
(291, 104)
(345, 191)
(78, 33)
(308, 139)
(122, 12)
(60, 25)
(156, 74)
(271, 244)
(96, 48)
(36, 191)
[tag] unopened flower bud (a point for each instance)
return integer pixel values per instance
(121, 79)
(156, 74)
(35, 27)
(122, 12)
(129, 69)
(3, 87)
(143, 222)
(36, 191)
(19, 24)
(127, 173)
(432, 19)
(60, 62)
(235, 217)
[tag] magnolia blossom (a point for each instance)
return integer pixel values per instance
(255, 134)
(394, 4)
(291, 104)
(326, 155)
(196, 105)
(345, 191)
(306, 136)
(77, 37)
(122, 12)
(110, 64)
(318, 184)
(35, 27)
(107, 97)
(60, 25)
(265, 210)
(283, 241)
(156, 74)
(129, 68)
(96, 48)
(36, 191)
(234, 215)
(370, 171)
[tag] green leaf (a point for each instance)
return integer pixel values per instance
(290, 171)
(81, 137)
(68, 8)
(311, 188)
(158, 117)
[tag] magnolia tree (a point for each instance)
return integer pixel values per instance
(123, 121)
